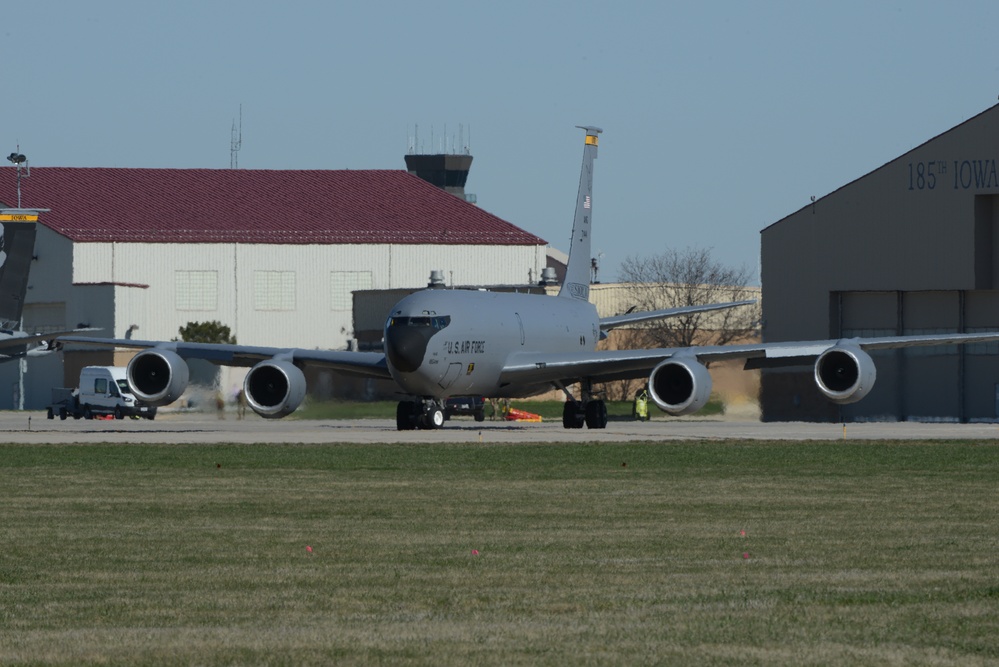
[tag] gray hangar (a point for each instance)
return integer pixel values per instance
(912, 247)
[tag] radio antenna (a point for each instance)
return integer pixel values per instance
(237, 141)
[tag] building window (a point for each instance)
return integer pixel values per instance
(274, 290)
(196, 290)
(342, 283)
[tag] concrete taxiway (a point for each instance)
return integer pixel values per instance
(34, 428)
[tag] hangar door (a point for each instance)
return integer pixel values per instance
(944, 382)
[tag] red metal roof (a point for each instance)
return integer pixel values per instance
(253, 206)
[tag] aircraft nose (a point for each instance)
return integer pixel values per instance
(406, 346)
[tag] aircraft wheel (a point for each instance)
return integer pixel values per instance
(571, 417)
(596, 414)
(433, 417)
(405, 416)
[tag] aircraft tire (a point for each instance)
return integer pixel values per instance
(432, 418)
(571, 418)
(405, 416)
(596, 414)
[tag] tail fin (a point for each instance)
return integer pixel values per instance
(577, 272)
(17, 247)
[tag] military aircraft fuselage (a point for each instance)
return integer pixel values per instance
(441, 343)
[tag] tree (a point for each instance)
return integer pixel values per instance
(206, 332)
(204, 372)
(688, 278)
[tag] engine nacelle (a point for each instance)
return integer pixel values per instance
(680, 386)
(157, 377)
(274, 388)
(845, 374)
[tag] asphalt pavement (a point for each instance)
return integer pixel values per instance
(194, 427)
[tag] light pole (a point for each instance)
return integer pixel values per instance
(18, 158)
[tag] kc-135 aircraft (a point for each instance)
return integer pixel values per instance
(453, 342)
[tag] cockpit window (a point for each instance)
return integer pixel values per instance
(435, 321)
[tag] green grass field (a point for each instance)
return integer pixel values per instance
(694, 553)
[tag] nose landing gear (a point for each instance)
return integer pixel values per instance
(422, 414)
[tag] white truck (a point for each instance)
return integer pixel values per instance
(103, 391)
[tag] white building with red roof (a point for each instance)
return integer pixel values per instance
(274, 255)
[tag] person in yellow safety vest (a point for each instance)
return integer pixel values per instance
(640, 410)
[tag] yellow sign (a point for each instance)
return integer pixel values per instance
(18, 217)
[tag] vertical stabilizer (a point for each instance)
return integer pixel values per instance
(17, 247)
(577, 272)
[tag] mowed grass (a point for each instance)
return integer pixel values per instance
(691, 553)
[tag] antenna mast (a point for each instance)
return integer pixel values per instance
(237, 141)
(18, 159)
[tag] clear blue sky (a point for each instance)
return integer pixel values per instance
(720, 118)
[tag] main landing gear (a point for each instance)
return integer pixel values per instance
(423, 414)
(589, 410)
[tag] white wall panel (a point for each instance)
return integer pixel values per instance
(466, 265)
(93, 262)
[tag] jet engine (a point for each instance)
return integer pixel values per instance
(274, 388)
(157, 377)
(845, 374)
(680, 386)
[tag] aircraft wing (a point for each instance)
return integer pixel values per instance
(609, 365)
(366, 364)
(607, 323)
(19, 338)
(17, 344)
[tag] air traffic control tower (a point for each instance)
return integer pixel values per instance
(446, 171)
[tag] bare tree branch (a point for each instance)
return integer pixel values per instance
(687, 278)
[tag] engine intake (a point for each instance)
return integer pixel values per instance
(274, 388)
(845, 374)
(157, 377)
(680, 386)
